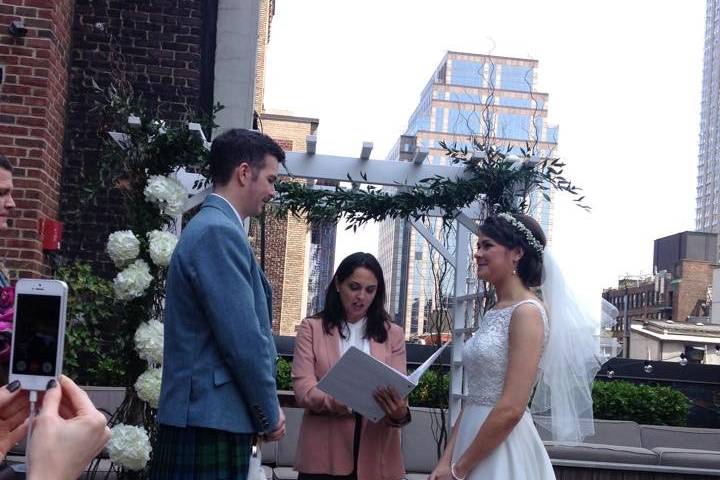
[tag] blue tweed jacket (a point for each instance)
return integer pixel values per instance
(219, 354)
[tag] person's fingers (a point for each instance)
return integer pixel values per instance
(18, 432)
(19, 403)
(383, 403)
(77, 398)
(11, 392)
(394, 394)
(16, 419)
(51, 400)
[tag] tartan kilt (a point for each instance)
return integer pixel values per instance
(195, 453)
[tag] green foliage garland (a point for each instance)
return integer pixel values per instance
(496, 178)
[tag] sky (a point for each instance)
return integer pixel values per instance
(624, 79)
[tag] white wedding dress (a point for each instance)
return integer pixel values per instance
(522, 455)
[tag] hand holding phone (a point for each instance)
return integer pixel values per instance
(38, 332)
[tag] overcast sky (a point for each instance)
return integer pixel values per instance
(624, 79)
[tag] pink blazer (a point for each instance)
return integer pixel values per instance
(326, 434)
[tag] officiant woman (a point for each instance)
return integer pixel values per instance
(335, 442)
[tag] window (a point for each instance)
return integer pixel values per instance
(513, 126)
(467, 73)
(516, 78)
(514, 102)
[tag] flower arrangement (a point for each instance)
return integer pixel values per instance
(162, 245)
(140, 170)
(123, 247)
(133, 281)
(129, 446)
(167, 193)
(147, 386)
(149, 341)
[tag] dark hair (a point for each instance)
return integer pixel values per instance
(5, 164)
(530, 267)
(237, 146)
(333, 315)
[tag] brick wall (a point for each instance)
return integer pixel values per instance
(695, 279)
(287, 239)
(267, 10)
(154, 45)
(32, 115)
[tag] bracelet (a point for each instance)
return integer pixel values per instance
(454, 475)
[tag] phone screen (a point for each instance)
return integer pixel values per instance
(37, 320)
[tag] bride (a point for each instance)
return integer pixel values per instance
(518, 347)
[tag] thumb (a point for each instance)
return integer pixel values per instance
(51, 399)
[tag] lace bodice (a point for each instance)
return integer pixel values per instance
(485, 355)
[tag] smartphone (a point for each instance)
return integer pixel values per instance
(38, 332)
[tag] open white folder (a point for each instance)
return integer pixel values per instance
(357, 375)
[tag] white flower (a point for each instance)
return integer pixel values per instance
(149, 341)
(167, 193)
(122, 247)
(129, 446)
(133, 281)
(148, 384)
(162, 245)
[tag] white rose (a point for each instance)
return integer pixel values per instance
(123, 247)
(162, 245)
(148, 384)
(133, 281)
(129, 446)
(149, 341)
(167, 193)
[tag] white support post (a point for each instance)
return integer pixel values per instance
(460, 306)
(366, 150)
(432, 240)
(310, 144)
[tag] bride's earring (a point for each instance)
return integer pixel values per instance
(514, 269)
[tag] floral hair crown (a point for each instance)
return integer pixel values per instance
(524, 230)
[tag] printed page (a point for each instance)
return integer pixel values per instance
(356, 376)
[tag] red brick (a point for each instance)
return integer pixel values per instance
(8, 59)
(16, 89)
(39, 3)
(34, 81)
(32, 121)
(36, 101)
(14, 109)
(12, 130)
(35, 62)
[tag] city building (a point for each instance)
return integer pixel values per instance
(681, 287)
(180, 57)
(669, 341)
(707, 211)
(670, 310)
(297, 257)
(468, 96)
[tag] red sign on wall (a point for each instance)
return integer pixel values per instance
(51, 234)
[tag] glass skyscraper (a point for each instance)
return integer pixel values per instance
(707, 212)
(468, 95)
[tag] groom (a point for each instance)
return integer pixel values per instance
(218, 385)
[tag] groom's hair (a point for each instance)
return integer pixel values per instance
(237, 146)
(5, 164)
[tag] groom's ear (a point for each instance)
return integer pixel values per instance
(243, 174)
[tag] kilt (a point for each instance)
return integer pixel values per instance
(195, 453)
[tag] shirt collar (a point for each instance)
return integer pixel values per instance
(233, 209)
